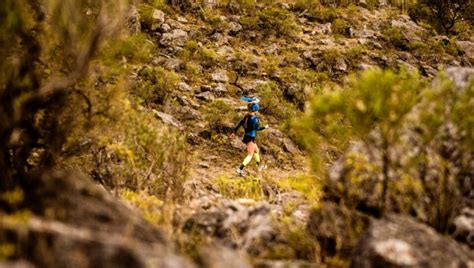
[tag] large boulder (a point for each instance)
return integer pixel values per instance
(235, 225)
(400, 241)
(76, 223)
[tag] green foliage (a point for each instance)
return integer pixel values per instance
(157, 83)
(235, 188)
(146, 13)
(309, 186)
(325, 14)
(443, 14)
(340, 26)
(206, 56)
(274, 103)
(354, 54)
(296, 242)
(239, 6)
(309, 5)
(276, 21)
(302, 84)
(150, 206)
(375, 100)
(134, 49)
(220, 116)
(394, 37)
(281, 21)
(6, 251)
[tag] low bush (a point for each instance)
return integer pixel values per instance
(273, 102)
(220, 117)
(395, 38)
(155, 86)
(340, 26)
(272, 21)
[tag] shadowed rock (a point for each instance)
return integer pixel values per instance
(400, 241)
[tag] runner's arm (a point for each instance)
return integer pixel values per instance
(241, 123)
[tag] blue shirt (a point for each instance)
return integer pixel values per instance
(251, 125)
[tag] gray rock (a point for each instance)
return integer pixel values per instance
(182, 20)
(464, 226)
(326, 42)
(172, 64)
(165, 28)
(219, 39)
(210, 3)
(220, 76)
(468, 48)
(234, 27)
(220, 89)
(94, 229)
(133, 20)
(177, 37)
(158, 16)
(168, 119)
(460, 76)
(341, 65)
(271, 49)
(322, 29)
(223, 257)
(183, 86)
(428, 70)
(290, 146)
(188, 113)
(206, 96)
(400, 241)
(409, 29)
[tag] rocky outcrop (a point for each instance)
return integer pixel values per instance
(236, 225)
(400, 241)
(336, 228)
(49, 243)
(76, 223)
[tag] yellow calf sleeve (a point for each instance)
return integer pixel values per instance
(257, 157)
(247, 160)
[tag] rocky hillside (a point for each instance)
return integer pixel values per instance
(117, 150)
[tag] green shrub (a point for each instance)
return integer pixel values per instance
(273, 102)
(376, 100)
(277, 21)
(157, 83)
(394, 37)
(220, 117)
(239, 6)
(280, 21)
(206, 56)
(325, 14)
(340, 26)
(236, 188)
(134, 49)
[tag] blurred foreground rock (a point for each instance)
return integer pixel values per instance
(76, 223)
(400, 241)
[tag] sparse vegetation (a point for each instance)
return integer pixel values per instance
(107, 100)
